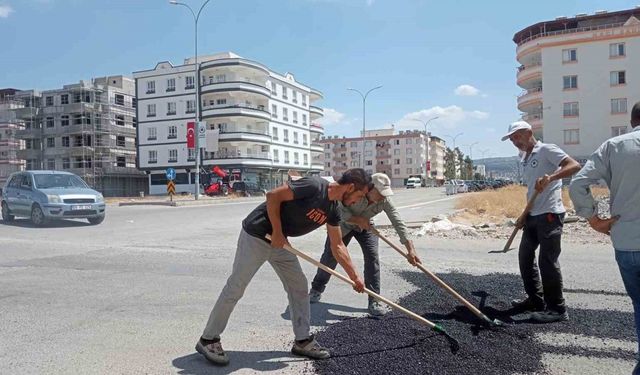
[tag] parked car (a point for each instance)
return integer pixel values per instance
(462, 187)
(414, 182)
(450, 187)
(43, 196)
(248, 188)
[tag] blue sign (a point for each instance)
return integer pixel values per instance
(171, 174)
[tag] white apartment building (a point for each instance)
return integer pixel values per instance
(581, 76)
(400, 155)
(10, 145)
(266, 121)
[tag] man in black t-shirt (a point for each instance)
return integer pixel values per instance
(291, 210)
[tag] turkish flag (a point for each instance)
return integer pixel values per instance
(191, 134)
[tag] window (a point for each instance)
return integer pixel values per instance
(286, 157)
(304, 140)
(120, 120)
(285, 135)
(285, 114)
(296, 158)
(64, 99)
(173, 132)
(273, 88)
(569, 82)
(191, 154)
(274, 111)
(66, 163)
(189, 83)
(151, 110)
(294, 94)
(121, 161)
(49, 101)
(65, 141)
(98, 98)
(274, 133)
(171, 84)
(327, 146)
(409, 141)
(171, 108)
(396, 171)
(51, 142)
(191, 106)
(396, 152)
(409, 161)
(368, 144)
(569, 55)
(119, 99)
(276, 156)
(295, 138)
(153, 156)
(619, 105)
(368, 153)
(616, 50)
(134, 103)
(77, 98)
(409, 170)
(28, 144)
(618, 78)
(120, 141)
(328, 165)
(151, 87)
(571, 109)
(396, 142)
(304, 119)
(354, 144)
(572, 137)
(173, 156)
(409, 151)
(221, 102)
(221, 78)
(618, 130)
(134, 122)
(396, 161)
(369, 162)
(305, 159)
(295, 117)
(152, 134)
(285, 92)
(51, 164)
(49, 122)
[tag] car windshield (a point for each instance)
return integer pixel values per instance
(51, 181)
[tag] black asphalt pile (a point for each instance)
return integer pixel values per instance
(396, 344)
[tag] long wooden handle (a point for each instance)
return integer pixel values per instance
(525, 212)
(347, 280)
(435, 278)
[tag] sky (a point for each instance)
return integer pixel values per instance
(451, 59)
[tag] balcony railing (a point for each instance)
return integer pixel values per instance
(233, 128)
(240, 155)
(571, 31)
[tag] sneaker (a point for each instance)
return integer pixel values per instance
(376, 309)
(527, 305)
(314, 296)
(549, 316)
(310, 349)
(212, 351)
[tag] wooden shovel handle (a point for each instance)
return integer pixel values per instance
(525, 212)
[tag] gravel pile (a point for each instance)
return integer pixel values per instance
(398, 345)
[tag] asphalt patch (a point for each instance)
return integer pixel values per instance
(397, 344)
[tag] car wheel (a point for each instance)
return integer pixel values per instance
(6, 216)
(37, 216)
(95, 220)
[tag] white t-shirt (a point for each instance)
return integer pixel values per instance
(545, 158)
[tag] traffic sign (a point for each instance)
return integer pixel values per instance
(202, 130)
(171, 189)
(171, 174)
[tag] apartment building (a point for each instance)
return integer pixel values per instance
(400, 155)
(266, 121)
(9, 144)
(580, 76)
(87, 128)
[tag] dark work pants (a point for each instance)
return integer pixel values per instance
(545, 231)
(369, 245)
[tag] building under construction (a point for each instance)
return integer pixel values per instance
(88, 128)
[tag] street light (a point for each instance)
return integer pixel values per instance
(455, 158)
(471, 149)
(426, 134)
(196, 68)
(364, 103)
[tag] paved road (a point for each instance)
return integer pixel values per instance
(132, 295)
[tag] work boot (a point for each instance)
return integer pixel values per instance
(310, 348)
(527, 305)
(549, 316)
(314, 296)
(376, 309)
(636, 370)
(212, 351)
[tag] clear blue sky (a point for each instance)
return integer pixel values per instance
(419, 50)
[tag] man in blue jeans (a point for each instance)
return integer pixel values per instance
(617, 163)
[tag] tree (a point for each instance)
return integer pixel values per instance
(467, 169)
(450, 164)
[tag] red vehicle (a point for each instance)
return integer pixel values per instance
(220, 186)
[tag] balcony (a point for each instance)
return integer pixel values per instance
(316, 128)
(534, 119)
(383, 156)
(315, 95)
(529, 73)
(29, 154)
(316, 147)
(317, 166)
(529, 98)
(241, 85)
(236, 157)
(316, 112)
(245, 133)
(28, 133)
(235, 110)
(340, 149)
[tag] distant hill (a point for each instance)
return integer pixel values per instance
(500, 167)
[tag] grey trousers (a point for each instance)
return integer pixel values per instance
(251, 253)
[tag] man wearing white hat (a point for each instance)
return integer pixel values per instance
(356, 223)
(544, 167)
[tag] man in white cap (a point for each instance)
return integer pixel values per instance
(544, 167)
(356, 223)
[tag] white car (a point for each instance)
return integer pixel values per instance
(462, 186)
(413, 182)
(450, 187)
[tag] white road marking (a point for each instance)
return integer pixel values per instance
(426, 203)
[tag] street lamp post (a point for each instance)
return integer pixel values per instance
(196, 68)
(426, 134)
(364, 103)
(471, 154)
(455, 158)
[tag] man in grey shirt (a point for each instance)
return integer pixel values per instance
(544, 167)
(355, 223)
(617, 163)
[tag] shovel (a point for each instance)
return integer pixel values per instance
(527, 209)
(485, 319)
(453, 343)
